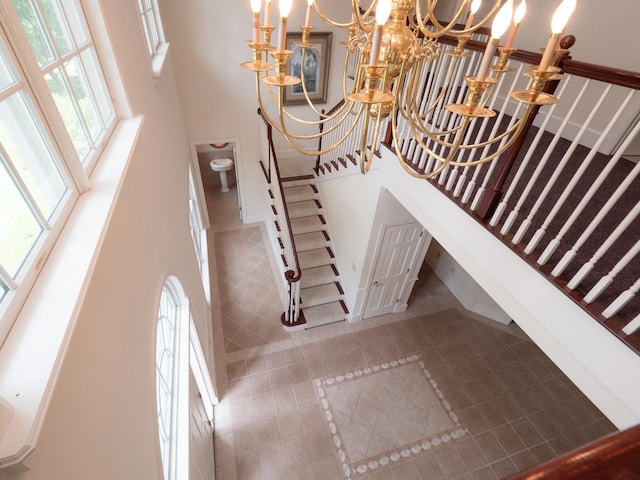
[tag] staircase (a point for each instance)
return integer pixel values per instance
(321, 295)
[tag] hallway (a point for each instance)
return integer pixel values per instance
(434, 392)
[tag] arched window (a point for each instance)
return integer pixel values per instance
(172, 388)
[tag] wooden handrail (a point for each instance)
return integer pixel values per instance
(616, 456)
(290, 275)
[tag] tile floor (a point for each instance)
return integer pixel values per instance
(491, 403)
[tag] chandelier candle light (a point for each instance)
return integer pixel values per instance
(255, 6)
(475, 6)
(390, 42)
(500, 25)
(267, 12)
(558, 24)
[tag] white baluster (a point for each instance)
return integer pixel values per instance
(544, 258)
(613, 199)
(525, 162)
(622, 300)
(632, 326)
(586, 268)
(577, 176)
(605, 281)
(556, 173)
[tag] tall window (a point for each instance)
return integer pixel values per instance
(55, 116)
(198, 234)
(152, 26)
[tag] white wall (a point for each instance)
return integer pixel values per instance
(462, 285)
(101, 422)
(350, 221)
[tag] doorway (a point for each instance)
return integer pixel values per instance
(224, 205)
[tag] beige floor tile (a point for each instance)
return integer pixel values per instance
(326, 468)
(271, 424)
(268, 431)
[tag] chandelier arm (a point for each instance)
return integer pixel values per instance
(281, 111)
(431, 17)
(303, 151)
(415, 134)
(513, 130)
(356, 20)
(304, 87)
(288, 135)
(366, 165)
(314, 136)
(416, 130)
(520, 124)
(357, 77)
(449, 28)
(415, 119)
(441, 94)
(404, 165)
(298, 119)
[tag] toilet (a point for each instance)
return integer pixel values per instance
(222, 165)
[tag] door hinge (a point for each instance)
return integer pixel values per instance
(397, 300)
(421, 232)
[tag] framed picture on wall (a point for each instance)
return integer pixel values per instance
(314, 63)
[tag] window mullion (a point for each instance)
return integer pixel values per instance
(92, 96)
(76, 104)
(24, 190)
(63, 59)
(45, 24)
(6, 279)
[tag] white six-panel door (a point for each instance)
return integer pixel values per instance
(396, 255)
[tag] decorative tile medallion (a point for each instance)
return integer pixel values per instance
(385, 413)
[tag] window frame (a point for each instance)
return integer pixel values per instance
(47, 117)
(151, 20)
(44, 313)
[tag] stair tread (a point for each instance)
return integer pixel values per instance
(311, 223)
(323, 314)
(314, 258)
(304, 208)
(317, 276)
(319, 294)
(298, 193)
(310, 241)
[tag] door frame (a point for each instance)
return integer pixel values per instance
(237, 165)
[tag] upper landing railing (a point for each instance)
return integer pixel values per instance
(566, 196)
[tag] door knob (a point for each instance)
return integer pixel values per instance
(375, 284)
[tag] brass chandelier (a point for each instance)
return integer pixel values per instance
(389, 43)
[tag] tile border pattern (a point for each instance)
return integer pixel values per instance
(400, 453)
